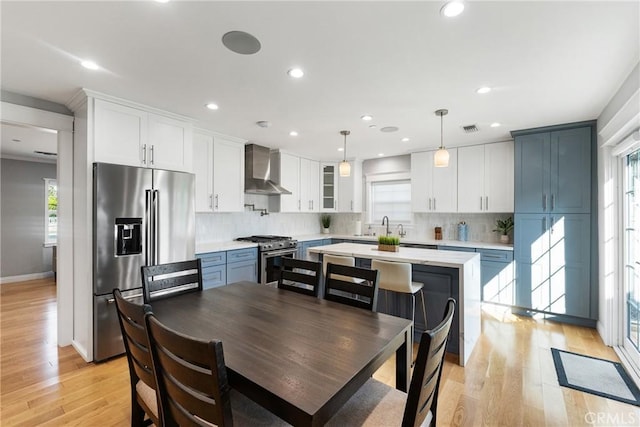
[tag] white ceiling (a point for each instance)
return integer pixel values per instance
(548, 62)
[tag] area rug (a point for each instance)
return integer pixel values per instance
(596, 376)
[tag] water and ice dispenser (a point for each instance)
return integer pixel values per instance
(128, 236)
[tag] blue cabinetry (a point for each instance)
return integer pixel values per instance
(303, 246)
(220, 268)
(555, 222)
(214, 269)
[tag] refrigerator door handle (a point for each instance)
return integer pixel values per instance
(156, 202)
(148, 252)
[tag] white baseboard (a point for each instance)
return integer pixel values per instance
(25, 277)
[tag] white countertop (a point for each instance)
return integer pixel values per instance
(412, 255)
(205, 247)
(457, 243)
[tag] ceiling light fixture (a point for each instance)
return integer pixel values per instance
(212, 106)
(296, 73)
(293, 133)
(90, 65)
(405, 139)
(380, 154)
(452, 8)
(482, 90)
(345, 167)
(441, 157)
(495, 125)
(366, 118)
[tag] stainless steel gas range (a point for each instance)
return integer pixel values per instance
(271, 250)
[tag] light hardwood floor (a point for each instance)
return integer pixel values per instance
(509, 380)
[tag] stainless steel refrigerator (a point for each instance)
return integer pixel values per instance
(140, 217)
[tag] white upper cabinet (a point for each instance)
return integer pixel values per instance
(350, 189)
(290, 179)
(433, 189)
(131, 136)
(329, 187)
(309, 185)
(219, 168)
(485, 178)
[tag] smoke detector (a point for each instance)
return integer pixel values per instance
(263, 123)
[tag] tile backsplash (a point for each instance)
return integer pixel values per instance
(221, 227)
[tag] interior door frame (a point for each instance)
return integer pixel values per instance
(32, 117)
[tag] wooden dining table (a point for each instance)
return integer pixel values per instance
(298, 356)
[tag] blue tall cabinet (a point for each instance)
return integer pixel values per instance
(555, 222)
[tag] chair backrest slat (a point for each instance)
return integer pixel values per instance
(292, 277)
(165, 280)
(353, 286)
(192, 377)
(425, 382)
(136, 344)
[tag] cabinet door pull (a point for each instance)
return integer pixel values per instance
(553, 201)
(299, 205)
(429, 203)
(486, 203)
(211, 201)
(352, 206)
(144, 154)
(434, 204)
(552, 223)
(544, 224)
(151, 157)
(544, 202)
(480, 202)
(216, 201)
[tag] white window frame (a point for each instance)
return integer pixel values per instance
(385, 177)
(47, 183)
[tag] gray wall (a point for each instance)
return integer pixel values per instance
(22, 217)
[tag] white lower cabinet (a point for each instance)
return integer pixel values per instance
(219, 168)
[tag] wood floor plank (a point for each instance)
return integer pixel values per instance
(510, 379)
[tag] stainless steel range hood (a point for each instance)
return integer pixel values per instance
(257, 172)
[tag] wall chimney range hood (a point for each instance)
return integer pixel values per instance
(257, 172)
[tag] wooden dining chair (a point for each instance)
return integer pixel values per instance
(193, 384)
(353, 286)
(377, 404)
(144, 399)
(300, 276)
(166, 280)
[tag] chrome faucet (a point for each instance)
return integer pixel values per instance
(387, 218)
(401, 231)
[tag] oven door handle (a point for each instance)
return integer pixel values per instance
(270, 254)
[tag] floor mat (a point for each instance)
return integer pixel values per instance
(596, 376)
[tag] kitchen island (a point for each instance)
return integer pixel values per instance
(461, 273)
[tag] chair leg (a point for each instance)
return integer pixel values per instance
(137, 414)
(424, 310)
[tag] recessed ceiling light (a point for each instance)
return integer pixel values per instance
(293, 133)
(296, 73)
(452, 8)
(405, 139)
(366, 118)
(241, 42)
(483, 90)
(495, 125)
(162, 1)
(212, 106)
(89, 65)
(264, 123)
(380, 154)
(340, 149)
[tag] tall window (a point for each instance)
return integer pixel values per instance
(632, 247)
(50, 211)
(392, 199)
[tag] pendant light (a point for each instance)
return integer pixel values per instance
(441, 157)
(345, 167)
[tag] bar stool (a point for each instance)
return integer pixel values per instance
(396, 277)
(349, 261)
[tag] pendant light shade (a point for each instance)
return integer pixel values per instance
(345, 167)
(441, 157)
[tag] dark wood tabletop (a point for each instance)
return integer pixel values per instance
(299, 356)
